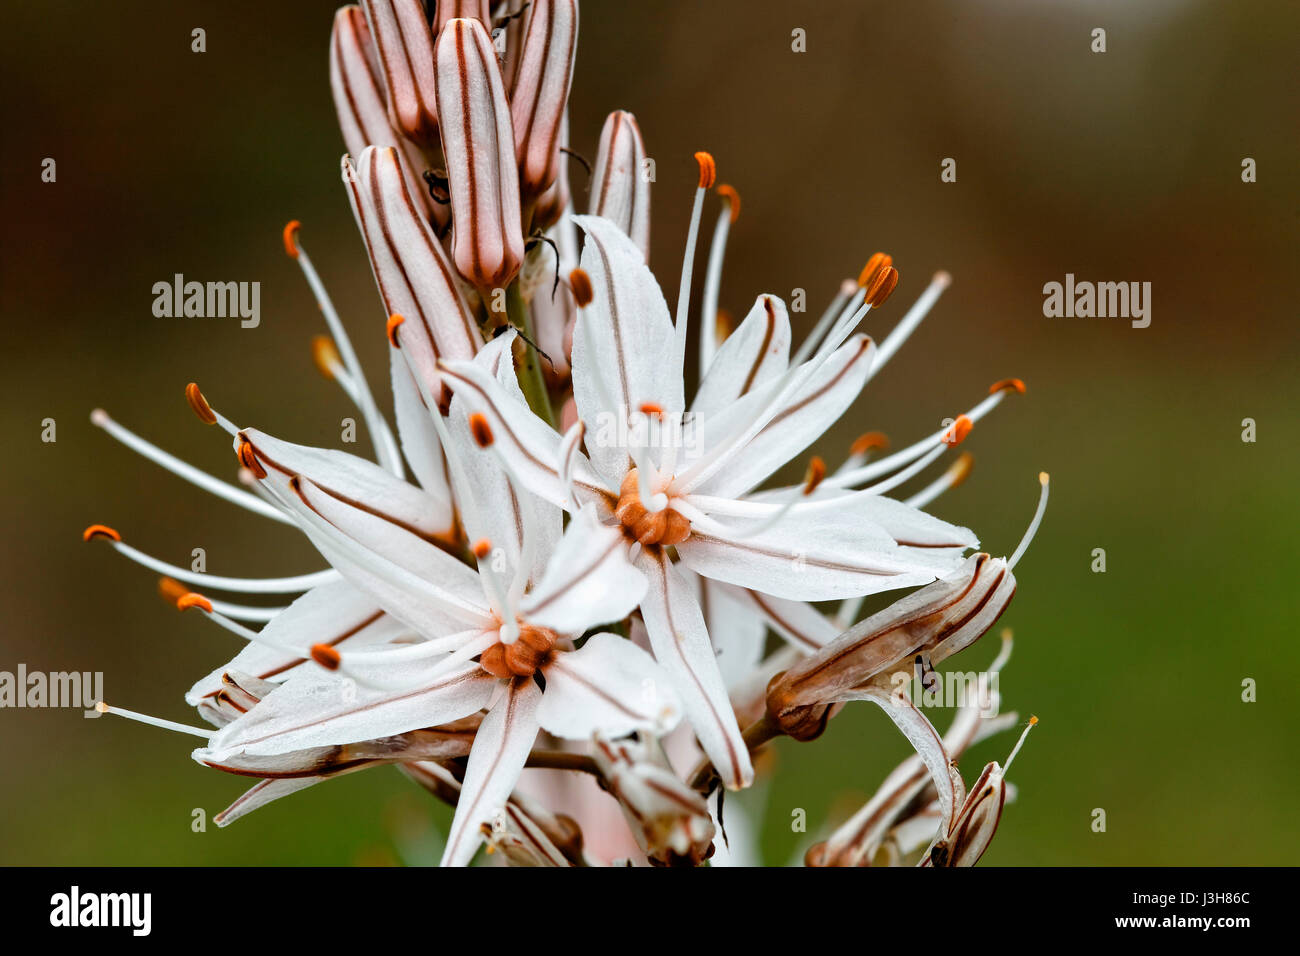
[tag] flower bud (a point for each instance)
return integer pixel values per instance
(670, 820)
(619, 189)
(478, 142)
(541, 92)
(405, 45)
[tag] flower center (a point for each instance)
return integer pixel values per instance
(531, 650)
(664, 527)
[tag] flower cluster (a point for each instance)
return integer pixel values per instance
(556, 561)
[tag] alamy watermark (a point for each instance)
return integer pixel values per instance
(647, 428)
(72, 689)
(208, 300)
(1102, 300)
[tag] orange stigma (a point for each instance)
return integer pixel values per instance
(480, 429)
(1007, 385)
(580, 283)
(290, 234)
(733, 200)
(708, 169)
(248, 458)
(394, 321)
(957, 431)
(100, 531)
(191, 599)
(200, 404)
(326, 656)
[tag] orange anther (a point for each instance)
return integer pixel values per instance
(882, 287)
(708, 169)
(958, 431)
(816, 472)
(100, 531)
(200, 404)
(480, 429)
(868, 442)
(733, 199)
(482, 548)
(290, 232)
(652, 408)
(1007, 384)
(325, 354)
(191, 599)
(171, 589)
(961, 468)
(326, 656)
(248, 458)
(875, 265)
(580, 283)
(394, 321)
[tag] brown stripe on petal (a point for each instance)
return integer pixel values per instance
(401, 35)
(541, 91)
(620, 190)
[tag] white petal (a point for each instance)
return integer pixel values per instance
(588, 581)
(805, 627)
(501, 748)
(752, 356)
(737, 630)
(420, 445)
(336, 614)
(620, 189)
(681, 645)
(319, 711)
(628, 326)
(823, 550)
(609, 686)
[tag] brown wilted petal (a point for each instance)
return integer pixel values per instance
(487, 238)
(541, 92)
(938, 620)
(405, 45)
(620, 190)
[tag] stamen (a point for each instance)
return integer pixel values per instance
(482, 548)
(172, 591)
(894, 480)
(381, 435)
(874, 268)
(248, 458)
(861, 450)
(326, 656)
(908, 324)
(193, 599)
(394, 321)
(186, 471)
(1033, 525)
(481, 430)
(200, 405)
(882, 287)
(104, 708)
(301, 582)
(711, 336)
(326, 356)
(957, 472)
(816, 472)
(568, 457)
(848, 291)
(708, 174)
(1007, 385)
(580, 285)
(1033, 722)
(957, 432)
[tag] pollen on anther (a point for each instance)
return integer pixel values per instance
(580, 283)
(248, 458)
(290, 233)
(100, 531)
(482, 548)
(326, 656)
(325, 354)
(875, 265)
(394, 321)
(733, 200)
(816, 472)
(958, 431)
(1007, 384)
(868, 442)
(480, 429)
(882, 287)
(191, 599)
(200, 404)
(171, 589)
(708, 169)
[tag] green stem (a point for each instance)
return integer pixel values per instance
(530, 376)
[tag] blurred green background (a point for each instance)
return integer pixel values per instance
(1120, 166)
